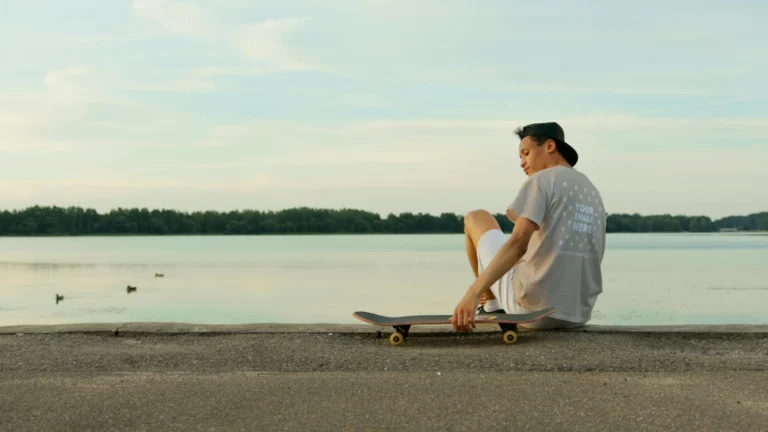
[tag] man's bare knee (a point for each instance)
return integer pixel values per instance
(478, 222)
(476, 217)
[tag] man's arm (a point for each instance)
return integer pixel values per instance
(511, 215)
(508, 255)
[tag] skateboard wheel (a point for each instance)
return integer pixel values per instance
(397, 338)
(510, 337)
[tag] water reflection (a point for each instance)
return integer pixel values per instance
(225, 280)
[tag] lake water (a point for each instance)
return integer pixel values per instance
(648, 278)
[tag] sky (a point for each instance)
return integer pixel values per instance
(386, 106)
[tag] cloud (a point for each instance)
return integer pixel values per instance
(172, 16)
(66, 77)
(447, 134)
(429, 165)
(438, 124)
(83, 188)
(74, 86)
(706, 104)
(190, 85)
(33, 120)
(77, 108)
(182, 85)
(271, 43)
(630, 134)
(217, 71)
(477, 152)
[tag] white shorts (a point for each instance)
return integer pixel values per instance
(487, 247)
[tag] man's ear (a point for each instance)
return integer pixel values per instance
(551, 146)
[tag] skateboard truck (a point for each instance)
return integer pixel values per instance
(400, 334)
(510, 332)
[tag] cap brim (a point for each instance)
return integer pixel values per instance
(569, 153)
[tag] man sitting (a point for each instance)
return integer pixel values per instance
(554, 254)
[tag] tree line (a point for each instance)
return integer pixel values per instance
(39, 220)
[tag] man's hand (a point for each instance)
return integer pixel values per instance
(508, 255)
(463, 318)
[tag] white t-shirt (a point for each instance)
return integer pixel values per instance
(562, 265)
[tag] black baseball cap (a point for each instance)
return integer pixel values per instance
(555, 132)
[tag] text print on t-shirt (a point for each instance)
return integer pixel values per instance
(582, 219)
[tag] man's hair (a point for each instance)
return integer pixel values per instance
(540, 133)
(537, 138)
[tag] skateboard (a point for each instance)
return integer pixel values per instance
(402, 324)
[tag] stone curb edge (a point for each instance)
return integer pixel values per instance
(186, 328)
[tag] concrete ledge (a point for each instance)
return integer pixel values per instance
(690, 328)
(179, 328)
(172, 327)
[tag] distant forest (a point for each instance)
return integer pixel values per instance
(49, 221)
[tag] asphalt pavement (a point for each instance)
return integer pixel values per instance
(341, 381)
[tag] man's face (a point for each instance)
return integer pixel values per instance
(534, 157)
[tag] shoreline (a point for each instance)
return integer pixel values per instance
(298, 234)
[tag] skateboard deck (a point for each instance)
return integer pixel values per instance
(402, 324)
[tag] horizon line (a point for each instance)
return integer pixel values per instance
(114, 209)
